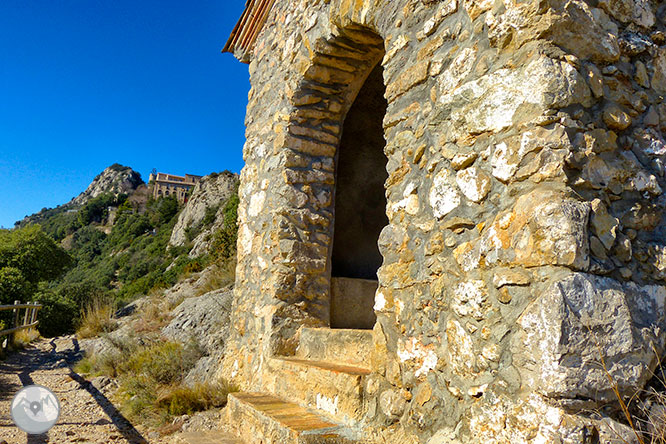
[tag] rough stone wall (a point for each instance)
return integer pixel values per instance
(525, 237)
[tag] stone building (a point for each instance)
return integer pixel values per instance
(165, 185)
(451, 213)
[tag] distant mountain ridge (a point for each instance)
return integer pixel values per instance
(116, 179)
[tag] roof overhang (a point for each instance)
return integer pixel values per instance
(245, 33)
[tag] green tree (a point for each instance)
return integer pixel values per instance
(167, 209)
(224, 242)
(13, 285)
(34, 254)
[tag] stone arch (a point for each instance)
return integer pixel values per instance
(339, 67)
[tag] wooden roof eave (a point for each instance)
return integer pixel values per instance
(245, 33)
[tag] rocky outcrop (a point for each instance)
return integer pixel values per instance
(116, 179)
(205, 320)
(198, 321)
(208, 198)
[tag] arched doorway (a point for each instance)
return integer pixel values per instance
(360, 207)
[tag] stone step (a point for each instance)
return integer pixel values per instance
(335, 389)
(260, 418)
(346, 346)
(208, 437)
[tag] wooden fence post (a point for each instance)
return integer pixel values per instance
(16, 321)
(33, 318)
(26, 315)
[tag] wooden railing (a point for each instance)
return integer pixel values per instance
(21, 321)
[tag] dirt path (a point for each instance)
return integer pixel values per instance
(87, 415)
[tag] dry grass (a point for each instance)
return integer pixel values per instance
(221, 275)
(25, 337)
(152, 391)
(182, 400)
(152, 317)
(645, 410)
(97, 318)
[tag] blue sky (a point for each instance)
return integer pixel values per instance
(87, 83)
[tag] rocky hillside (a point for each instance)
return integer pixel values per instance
(203, 214)
(118, 238)
(116, 179)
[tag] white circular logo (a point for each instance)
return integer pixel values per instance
(35, 409)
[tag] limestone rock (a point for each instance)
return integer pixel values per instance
(535, 420)
(392, 404)
(600, 141)
(463, 160)
(210, 193)
(204, 319)
(543, 228)
(624, 172)
(603, 224)
(616, 118)
(444, 197)
(595, 80)
(512, 157)
(659, 76)
(116, 179)
(462, 352)
(494, 101)
(505, 162)
(510, 276)
(469, 299)
(599, 39)
(562, 328)
(474, 183)
(636, 11)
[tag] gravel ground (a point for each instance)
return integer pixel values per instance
(87, 415)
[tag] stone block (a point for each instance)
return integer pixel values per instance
(584, 330)
(543, 228)
(346, 346)
(259, 418)
(335, 389)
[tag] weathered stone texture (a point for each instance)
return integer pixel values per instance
(525, 161)
(210, 193)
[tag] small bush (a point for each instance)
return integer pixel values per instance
(224, 240)
(183, 400)
(97, 318)
(58, 313)
(221, 275)
(25, 337)
(163, 363)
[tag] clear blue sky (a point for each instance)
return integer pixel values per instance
(87, 83)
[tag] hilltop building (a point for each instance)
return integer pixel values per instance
(450, 211)
(165, 185)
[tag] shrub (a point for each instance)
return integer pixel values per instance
(13, 286)
(58, 313)
(210, 216)
(182, 400)
(164, 363)
(119, 168)
(25, 337)
(151, 380)
(167, 208)
(97, 317)
(224, 240)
